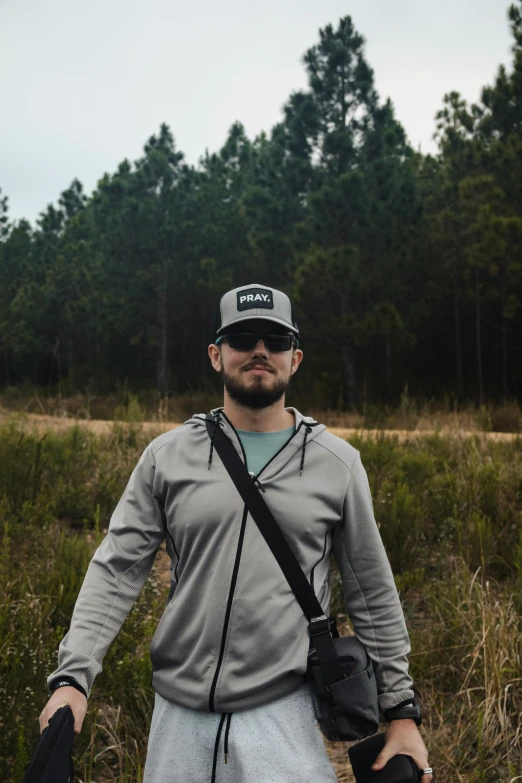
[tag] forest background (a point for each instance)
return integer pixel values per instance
(405, 269)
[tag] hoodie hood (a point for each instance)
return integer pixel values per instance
(306, 429)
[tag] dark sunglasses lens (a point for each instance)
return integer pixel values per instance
(278, 342)
(242, 342)
(245, 341)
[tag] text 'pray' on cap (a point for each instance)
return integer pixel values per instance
(256, 301)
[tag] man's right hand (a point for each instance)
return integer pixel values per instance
(65, 695)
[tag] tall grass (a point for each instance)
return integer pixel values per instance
(450, 514)
(56, 497)
(468, 663)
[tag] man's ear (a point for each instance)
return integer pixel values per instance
(212, 348)
(299, 354)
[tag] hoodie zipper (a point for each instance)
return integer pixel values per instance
(211, 698)
(228, 611)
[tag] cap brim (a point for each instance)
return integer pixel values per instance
(251, 317)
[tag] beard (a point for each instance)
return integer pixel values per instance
(254, 395)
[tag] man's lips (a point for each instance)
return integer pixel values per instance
(258, 369)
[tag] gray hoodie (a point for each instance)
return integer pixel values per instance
(232, 635)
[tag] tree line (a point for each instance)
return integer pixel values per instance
(403, 268)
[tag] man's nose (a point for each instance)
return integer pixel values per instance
(260, 346)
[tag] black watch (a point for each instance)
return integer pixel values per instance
(412, 711)
(59, 683)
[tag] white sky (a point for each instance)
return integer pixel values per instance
(84, 83)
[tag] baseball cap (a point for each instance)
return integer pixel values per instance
(256, 301)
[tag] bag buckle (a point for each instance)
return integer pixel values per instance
(319, 626)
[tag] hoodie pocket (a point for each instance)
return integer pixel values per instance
(156, 636)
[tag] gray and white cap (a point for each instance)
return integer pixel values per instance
(256, 301)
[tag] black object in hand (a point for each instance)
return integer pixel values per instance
(52, 758)
(399, 769)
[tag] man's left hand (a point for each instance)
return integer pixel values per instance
(403, 736)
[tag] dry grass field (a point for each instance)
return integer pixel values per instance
(475, 619)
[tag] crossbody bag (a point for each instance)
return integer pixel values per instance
(339, 667)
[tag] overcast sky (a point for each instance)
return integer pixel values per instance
(84, 83)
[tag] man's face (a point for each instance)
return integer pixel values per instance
(256, 378)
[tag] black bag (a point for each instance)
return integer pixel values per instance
(399, 769)
(52, 758)
(348, 708)
(340, 668)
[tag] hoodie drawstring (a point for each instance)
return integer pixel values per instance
(216, 425)
(308, 429)
(256, 480)
(228, 717)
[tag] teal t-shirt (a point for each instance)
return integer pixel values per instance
(260, 447)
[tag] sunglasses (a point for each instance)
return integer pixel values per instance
(245, 341)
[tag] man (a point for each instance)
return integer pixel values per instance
(230, 650)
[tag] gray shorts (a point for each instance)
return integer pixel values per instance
(279, 742)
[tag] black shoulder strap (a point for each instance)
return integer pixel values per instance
(319, 624)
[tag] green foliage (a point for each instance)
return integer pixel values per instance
(22, 756)
(400, 517)
(63, 476)
(380, 456)
(410, 579)
(445, 496)
(131, 412)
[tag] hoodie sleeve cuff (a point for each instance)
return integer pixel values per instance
(389, 700)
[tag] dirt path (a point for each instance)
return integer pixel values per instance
(102, 427)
